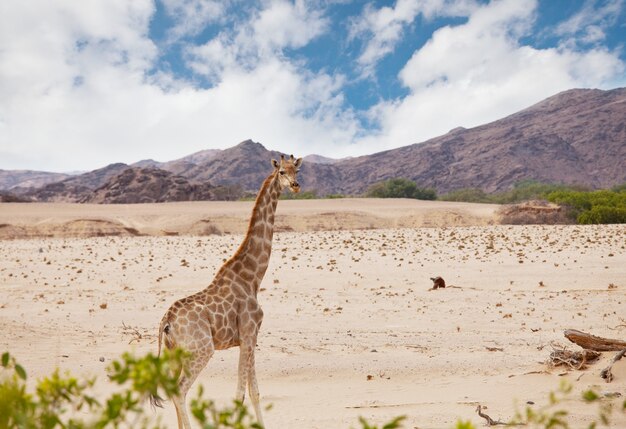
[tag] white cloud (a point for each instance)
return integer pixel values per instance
(78, 88)
(77, 92)
(56, 60)
(284, 24)
(191, 16)
(587, 26)
(383, 28)
(478, 72)
(279, 25)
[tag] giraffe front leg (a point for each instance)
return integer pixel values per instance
(253, 388)
(242, 372)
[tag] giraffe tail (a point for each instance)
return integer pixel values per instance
(155, 399)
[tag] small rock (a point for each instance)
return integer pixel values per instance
(101, 359)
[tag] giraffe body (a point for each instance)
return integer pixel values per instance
(227, 314)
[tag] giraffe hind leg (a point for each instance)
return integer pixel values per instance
(193, 335)
(192, 368)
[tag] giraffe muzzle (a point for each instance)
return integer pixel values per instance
(295, 187)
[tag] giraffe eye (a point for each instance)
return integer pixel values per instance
(281, 173)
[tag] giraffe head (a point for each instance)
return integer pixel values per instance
(287, 170)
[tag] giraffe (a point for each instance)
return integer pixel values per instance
(226, 313)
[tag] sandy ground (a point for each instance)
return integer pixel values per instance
(350, 327)
(206, 218)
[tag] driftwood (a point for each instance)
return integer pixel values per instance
(606, 372)
(572, 359)
(591, 342)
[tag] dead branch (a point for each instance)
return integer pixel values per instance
(592, 342)
(134, 333)
(572, 359)
(620, 326)
(606, 372)
(490, 421)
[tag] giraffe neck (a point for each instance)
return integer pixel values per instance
(254, 252)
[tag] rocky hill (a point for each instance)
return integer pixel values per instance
(148, 185)
(181, 165)
(245, 164)
(75, 188)
(11, 179)
(575, 137)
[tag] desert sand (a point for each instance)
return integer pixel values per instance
(351, 328)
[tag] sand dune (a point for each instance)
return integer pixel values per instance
(350, 327)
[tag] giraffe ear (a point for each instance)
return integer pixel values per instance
(298, 162)
(275, 163)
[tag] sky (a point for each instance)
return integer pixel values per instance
(91, 82)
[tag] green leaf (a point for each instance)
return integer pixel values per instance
(5, 359)
(590, 396)
(20, 371)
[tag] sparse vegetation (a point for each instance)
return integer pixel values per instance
(400, 188)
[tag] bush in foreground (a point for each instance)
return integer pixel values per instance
(59, 399)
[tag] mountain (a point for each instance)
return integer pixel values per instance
(319, 159)
(28, 179)
(245, 164)
(575, 137)
(75, 188)
(181, 165)
(148, 185)
(199, 157)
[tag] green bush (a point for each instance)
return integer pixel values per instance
(596, 207)
(400, 188)
(602, 215)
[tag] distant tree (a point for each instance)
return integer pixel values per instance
(400, 188)
(468, 195)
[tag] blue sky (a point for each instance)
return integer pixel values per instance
(84, 84)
